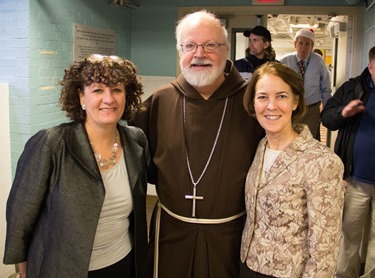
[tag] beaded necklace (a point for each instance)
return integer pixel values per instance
(105, 163)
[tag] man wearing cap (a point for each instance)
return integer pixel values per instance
(259, 51)
(314, 74)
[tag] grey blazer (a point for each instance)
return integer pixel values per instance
(56, 199)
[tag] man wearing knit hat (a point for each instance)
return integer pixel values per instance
(259, 51)
(314, 74)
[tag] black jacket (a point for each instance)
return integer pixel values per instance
(249, 64)
(354, 88)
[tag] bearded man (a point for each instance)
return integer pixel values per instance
(203, 143)
(260, 51)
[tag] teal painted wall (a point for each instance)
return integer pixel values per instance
(14, 67)
(36, 45)
(51, 47)
(153, 43)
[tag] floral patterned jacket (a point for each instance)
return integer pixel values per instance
(293, 224)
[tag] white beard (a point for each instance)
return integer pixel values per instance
(204, 77)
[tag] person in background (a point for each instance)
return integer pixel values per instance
(77, 204)
(319, 52)
(294, 188)
(259, 51)
(351, 111)
(202, 143)
(315, 76)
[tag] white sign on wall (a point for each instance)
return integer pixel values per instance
(88, 40)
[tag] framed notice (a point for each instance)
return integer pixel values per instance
(88, 40)
(268, 2)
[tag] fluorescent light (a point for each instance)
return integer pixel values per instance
(304, 25)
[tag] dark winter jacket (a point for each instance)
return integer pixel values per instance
(354, 88)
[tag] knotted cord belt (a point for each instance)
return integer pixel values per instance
(183, 219)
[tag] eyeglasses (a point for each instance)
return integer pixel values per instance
(207, 47)
(98, 58)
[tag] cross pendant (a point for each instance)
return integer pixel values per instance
(193, 197)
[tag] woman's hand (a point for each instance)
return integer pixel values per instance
(21, 270)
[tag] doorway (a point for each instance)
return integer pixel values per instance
(283, 27)
(331, 38)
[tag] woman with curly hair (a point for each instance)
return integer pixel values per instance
(77, 204)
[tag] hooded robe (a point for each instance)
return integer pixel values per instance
(200, 250)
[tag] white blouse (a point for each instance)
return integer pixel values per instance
(113, 240)
(269, 158)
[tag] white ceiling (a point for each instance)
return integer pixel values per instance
(286, 25)
(283, 28)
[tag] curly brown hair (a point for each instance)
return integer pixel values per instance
(108, 70)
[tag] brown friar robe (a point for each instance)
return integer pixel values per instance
(200, 250)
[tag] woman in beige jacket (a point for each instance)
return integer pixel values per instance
(294, 188)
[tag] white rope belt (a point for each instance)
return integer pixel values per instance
(201, 220)
(184, 219)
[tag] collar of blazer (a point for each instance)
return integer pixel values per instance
(285, 158)
(79, 146)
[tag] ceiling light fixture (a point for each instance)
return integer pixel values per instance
(303, 25)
